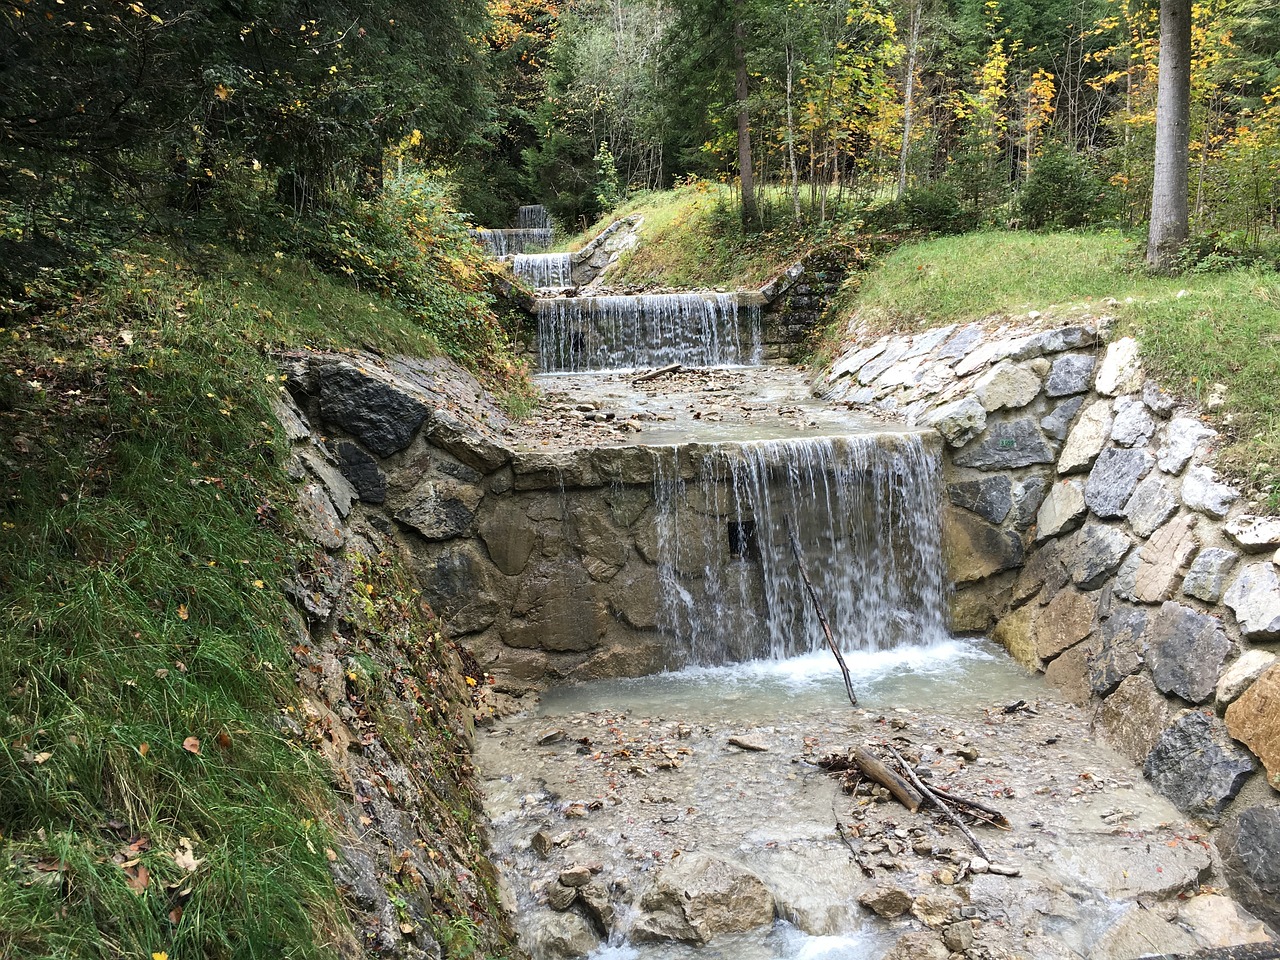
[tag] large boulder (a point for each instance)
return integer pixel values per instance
(1067, 620)
(1133, 717)
(1093, 553)
(1150, 573)
(1250, 849)
(1114, 477)
(1152, 504)
(1006, 386)
(1057, 422)
(699, 897)
(368, 404)
(990, 497)
(1063, 510)
(959, 421)
(1254, 597)
(1197, 765)
(1254, 534)
(1133, 424)
(1070, 374)
(1119, 648)
(1121, 370)
(1254, 720)
(1208, 574)
(974, 549)
(1006, 444)
(1185, 651)
(1087, 438)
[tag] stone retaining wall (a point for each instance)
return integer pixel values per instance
(1088, 532)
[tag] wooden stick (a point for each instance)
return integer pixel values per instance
(870, 765)
(939, 803)
(660, 372)
(998, 818)
(822, 614)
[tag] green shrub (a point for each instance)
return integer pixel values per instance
(1061, 191)
(936, 207)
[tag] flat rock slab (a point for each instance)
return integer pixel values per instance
(1124, 869)
(1006, 444)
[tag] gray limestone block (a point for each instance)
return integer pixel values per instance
(1157, 401)
(1070, 375)
(1197, 765)
(1254, 534)
(1119, 642)
(1063, 510)
(1183, 436)
(1254, 597)
(990, 498)
(1238, 677)
(1028, 494)
(1186, 651)
(1093, 554)
(1113, 479)
(1006, 444)
(1087, 438)
(1006, 386)
(1208, 574)
(319, 518)
(1133, 424)
(1058, 422)
(958, 421)
(1250, 849)
(1202, 492)
(335, 484)
(1152, 504)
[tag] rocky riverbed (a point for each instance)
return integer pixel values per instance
(674, 822)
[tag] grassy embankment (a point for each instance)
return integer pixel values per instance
(150, 804)
(692, 238)
(1195, 330)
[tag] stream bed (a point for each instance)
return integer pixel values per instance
(626, 825)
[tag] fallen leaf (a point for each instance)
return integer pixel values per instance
(144, 749)
(137, 877)
(185, 857)
(161, 673)
(224, 741)
(191, 745)
(42, 757)
(175, 914)
(182, 611)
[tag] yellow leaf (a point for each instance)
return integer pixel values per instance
(182, 612)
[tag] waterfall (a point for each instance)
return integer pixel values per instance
(865, 510)
(533, 217)
(506, 243)
(611, 333)
(543, 270)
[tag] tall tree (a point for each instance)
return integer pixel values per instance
(1169, 202)
(750, 210)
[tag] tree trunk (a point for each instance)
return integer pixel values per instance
(750, 212)
(791, 135)
(1169, 214)
(917, 14)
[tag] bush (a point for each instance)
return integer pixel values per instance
(936, 207)
(1061, 192)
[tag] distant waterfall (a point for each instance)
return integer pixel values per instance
(506, 243)
(610, 333)
(865, 509)
(545, 270)
(533, 217)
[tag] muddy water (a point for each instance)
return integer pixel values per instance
(629, 776)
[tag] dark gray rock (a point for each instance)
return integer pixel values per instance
(960, 345)
(356, 876)
(1058, 423)
(1113, 479)
(1119, 642)
(990, 498)
(1208, 574)
(1250, 849)
(1093, 554)
(383, 418)
(1006, 444)
(363, 473)
(1071, 374)
(1153, 502)
(440, 508)
(1197, 765)
(1028, 494)
(1186, 650)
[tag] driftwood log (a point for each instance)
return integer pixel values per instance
(660, 372)
(822, 613)
(939, 803)
(871, 766)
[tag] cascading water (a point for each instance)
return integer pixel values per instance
(506, 243)
(534, 216)
(864, 509)
(578, 334)
(544, 270)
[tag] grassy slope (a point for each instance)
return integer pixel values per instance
(692, 239)
(1196, 330)
(143, 541)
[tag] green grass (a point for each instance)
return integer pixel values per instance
(1195, 330)
(692, 238)
(144, 540)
